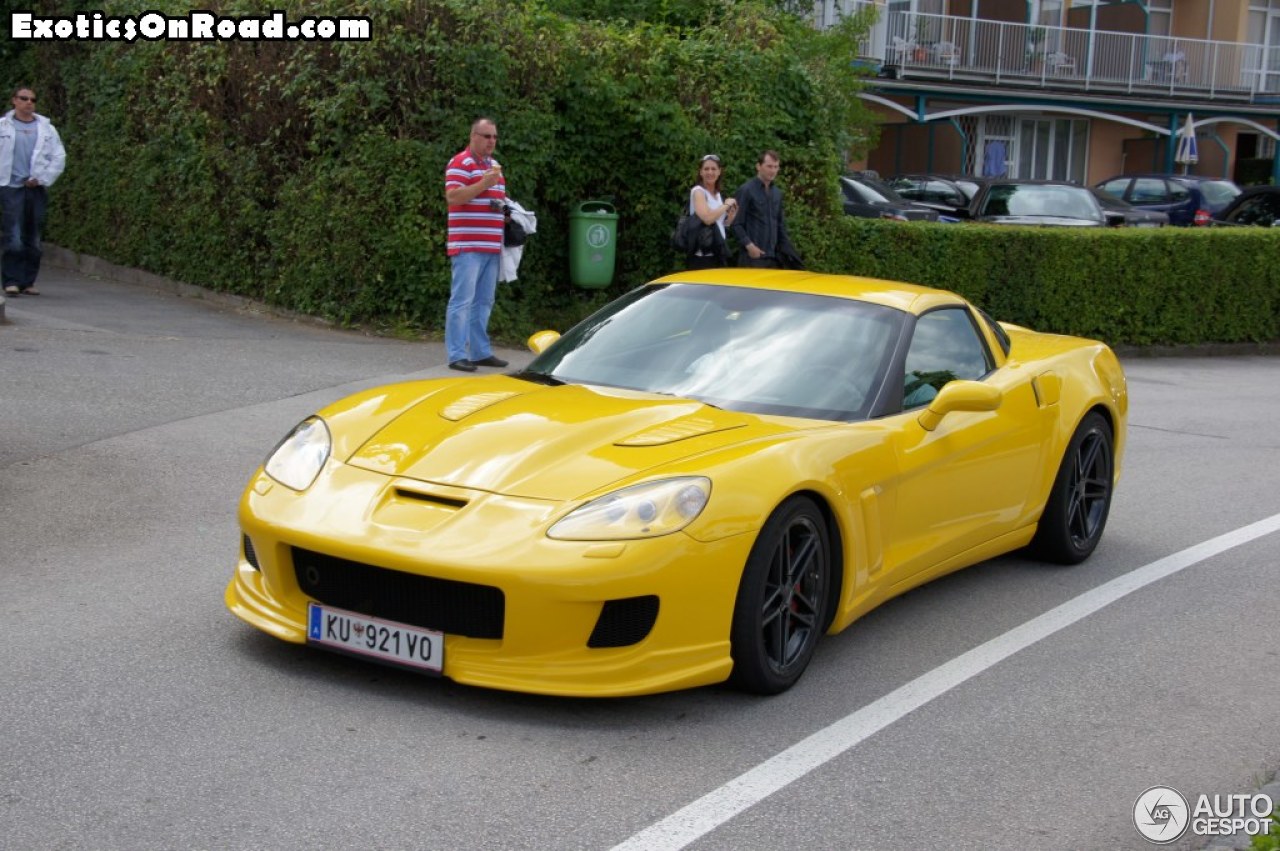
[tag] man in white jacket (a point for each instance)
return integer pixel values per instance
(31, 159)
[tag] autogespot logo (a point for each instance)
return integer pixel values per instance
(1161, 815)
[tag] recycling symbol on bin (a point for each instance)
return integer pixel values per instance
(597, 236)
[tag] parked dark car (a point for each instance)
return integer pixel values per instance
(1256, 205)
(1134, 217)
(1188, 200)
(866, 196)
(949, 194)
(1040, 202)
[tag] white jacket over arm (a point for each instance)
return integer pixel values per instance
(511, 254)
(47, 161)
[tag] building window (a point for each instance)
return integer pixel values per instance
(1051, 149)
(1159, 17)
(1255, 146)
(1050, 13)
(1264, 21)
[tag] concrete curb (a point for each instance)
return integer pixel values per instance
(87, 264)
(1199, 350)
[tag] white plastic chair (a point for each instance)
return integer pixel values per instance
(1176, 65)
(1060, 63)
(903, 50)
(946, 53)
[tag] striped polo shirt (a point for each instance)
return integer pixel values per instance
(474, 226)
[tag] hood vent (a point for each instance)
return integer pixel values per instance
(430, 498)
(674, 431)
(468, 405)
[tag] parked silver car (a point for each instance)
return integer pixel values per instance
(1040, 202)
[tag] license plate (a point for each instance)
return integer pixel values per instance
(386, 641)
(1147, 225)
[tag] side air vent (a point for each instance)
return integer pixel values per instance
(624, 622)
(250, 554)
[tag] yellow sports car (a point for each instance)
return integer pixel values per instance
(690, 486)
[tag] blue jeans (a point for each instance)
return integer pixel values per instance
(466, 321)
(22, 211)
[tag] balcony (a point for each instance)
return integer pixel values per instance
(994, 53)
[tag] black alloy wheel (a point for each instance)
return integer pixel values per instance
(781, 609)
(1080, 501)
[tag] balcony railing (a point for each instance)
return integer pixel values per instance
(998, 53)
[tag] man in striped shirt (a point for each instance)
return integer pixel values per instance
(477, 194)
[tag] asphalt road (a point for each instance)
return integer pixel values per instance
(136, 713)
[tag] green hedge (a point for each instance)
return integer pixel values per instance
(1126, 286)
(310, 175)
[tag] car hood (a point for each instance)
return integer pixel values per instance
(919, 213)
(516, 438)
(914, 212)
(1055, 221)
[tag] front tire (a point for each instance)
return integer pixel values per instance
(781, 607)
(1080, 501)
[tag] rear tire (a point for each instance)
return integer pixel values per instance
(781, 609)
(1080, 501)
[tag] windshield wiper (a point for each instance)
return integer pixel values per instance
(539, 378)
(699, 399)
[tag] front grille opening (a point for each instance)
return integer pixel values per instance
(250, 554)
(457, 608)
(624, 622)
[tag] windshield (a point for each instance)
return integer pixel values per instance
(1032, 199)
(870, 193)
(743, 349)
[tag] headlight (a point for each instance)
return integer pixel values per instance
(296, 462)
(640, 511)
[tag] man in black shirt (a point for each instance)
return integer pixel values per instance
(759, 226)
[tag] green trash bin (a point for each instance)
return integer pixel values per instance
(593, 239)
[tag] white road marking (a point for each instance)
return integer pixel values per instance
(718, 806)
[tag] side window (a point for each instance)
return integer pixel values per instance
(938, 192)
(908, 188)
(1178, 193)
(1149, 190)
(1115, 188)
(945, 346)
(1219, 192)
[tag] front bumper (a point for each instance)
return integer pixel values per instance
(553, 592)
